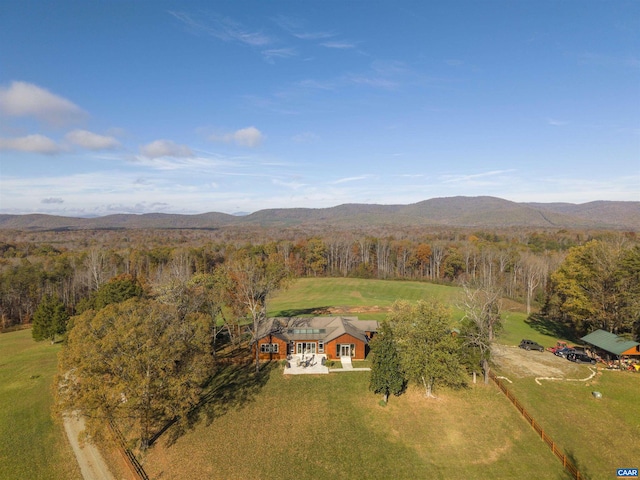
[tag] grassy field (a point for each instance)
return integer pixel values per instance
(373, 298)
(32, 445)
(331, 426)
(600, 434)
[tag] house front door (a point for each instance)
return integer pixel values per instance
(345, 350)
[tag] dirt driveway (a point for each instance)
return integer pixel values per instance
(520, 363)
(92, 464)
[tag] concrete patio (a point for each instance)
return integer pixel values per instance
(308, 364)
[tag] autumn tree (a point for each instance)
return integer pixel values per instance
(628, 275)
(50, 319)
(138, 362)
(252, 277)
(386, 370)
(594, 288)
(429, 353)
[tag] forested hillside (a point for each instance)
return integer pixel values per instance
(479, 212)
(73, 265)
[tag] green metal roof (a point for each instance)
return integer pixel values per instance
(609, 342)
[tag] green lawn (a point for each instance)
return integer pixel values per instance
(308, 295)
(32, 445)
(331, 426)
(601, 435)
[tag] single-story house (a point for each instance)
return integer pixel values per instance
(334, 337)
(612, 344)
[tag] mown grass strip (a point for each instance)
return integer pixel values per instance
(33, 446)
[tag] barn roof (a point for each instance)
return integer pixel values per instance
(609, 342)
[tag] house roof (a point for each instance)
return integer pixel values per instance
(609, 342)
(316, 328)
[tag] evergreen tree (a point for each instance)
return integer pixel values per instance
(386, 371)
(50, 319)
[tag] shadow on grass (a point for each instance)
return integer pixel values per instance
(231, 387)
(549, 327)
(297, 312)
(584, 474)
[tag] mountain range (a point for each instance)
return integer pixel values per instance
(485, 211)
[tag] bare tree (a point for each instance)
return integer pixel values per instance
(252, 279)
(535, 270)
(95, 263)
(481, 321)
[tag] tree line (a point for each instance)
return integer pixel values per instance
(72, 265)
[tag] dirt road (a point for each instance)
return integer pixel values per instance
(92, 465)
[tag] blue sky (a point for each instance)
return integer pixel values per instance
(236, 106)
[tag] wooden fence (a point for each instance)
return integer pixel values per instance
(128, 456)
(566, 462)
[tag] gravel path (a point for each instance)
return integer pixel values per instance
(92, 465)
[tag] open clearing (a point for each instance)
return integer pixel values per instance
(598, 434)
(522, 363)
(330, 426)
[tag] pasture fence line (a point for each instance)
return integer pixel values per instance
(129, 458)
(566, 462)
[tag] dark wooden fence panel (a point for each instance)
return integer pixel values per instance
(128, 456)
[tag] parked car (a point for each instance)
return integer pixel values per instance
(563, 352)
(558, 346)
(580, 358)
(531, 345)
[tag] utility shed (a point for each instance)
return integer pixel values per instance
(612, 343)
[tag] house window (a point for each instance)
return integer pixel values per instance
(320, 346)
(269, 348)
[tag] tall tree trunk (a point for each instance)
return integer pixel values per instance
(428, 387)
(485, 370)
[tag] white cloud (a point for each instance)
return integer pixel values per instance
(294, 185)
(223, 28)
(272, 53)
(165, 148)
(478, 178)
(556, 123)
(22, 99)
(52, 200)
(350, 179)
(295, 26)
(31, 143)
(91, 141)
(338, 45)
(245, 137)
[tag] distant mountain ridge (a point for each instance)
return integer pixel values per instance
(485, 211)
